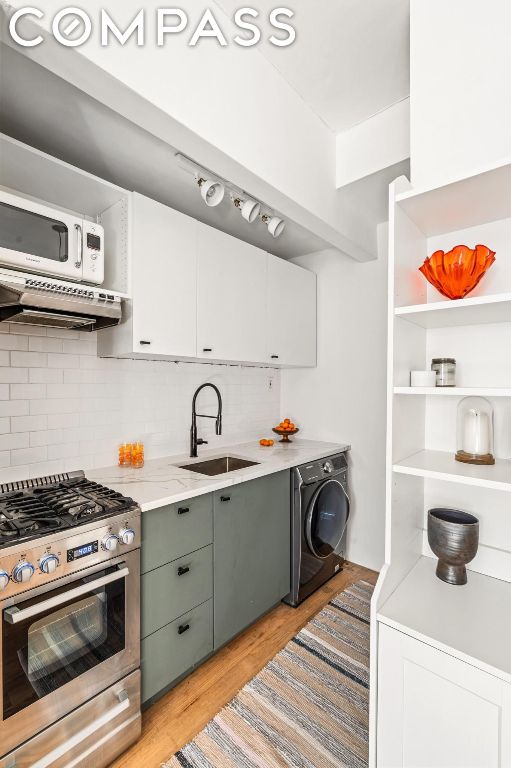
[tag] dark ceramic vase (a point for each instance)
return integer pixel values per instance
(454, 537)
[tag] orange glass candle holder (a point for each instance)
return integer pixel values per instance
(458, 271)
(137, 455)
(125, 454)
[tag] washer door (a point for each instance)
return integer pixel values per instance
(327, 517)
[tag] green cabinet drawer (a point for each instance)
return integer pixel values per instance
(176, 529)
(170, 652)
(170, 590)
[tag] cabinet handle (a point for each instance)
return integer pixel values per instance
(274, 357)
(225, 498)
(182, 570)
(183, 510)
(207, 349)
(183, 628)
(145, 343)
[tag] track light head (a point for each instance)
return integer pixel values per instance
(275, 225)
(250, 209)
(212, 192)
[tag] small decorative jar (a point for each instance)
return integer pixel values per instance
(445, 369)
(125, 455)
(137, 455)
(475, 431)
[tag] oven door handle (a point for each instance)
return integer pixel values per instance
(85, 733)
(14, 614)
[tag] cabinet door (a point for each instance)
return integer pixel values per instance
(435, 711)
(291, 318)
(251, 552)
(164, 279)
(231, 298)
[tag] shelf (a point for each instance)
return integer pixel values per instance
(478, 199)
(440, 465)
(472, 623)
(455, 391)
(480, 309)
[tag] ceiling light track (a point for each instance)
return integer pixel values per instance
(213, 187)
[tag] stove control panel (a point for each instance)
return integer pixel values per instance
(37, 562)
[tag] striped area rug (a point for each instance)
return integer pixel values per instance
(308, 707)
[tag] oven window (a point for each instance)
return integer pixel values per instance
(50, 649)
(28, 232)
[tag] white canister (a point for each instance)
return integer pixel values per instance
(422, 378)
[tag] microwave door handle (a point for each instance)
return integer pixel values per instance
(79, 232)
(89, 730)
(14, 615)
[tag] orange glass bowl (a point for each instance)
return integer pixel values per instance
(457, 272)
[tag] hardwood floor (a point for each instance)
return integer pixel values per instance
(177, 717)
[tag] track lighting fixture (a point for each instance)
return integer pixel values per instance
(275, 225)
(212, 192)
(213, 187)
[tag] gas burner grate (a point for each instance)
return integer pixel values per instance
(36, 507)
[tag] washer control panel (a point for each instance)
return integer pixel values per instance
(330, 466)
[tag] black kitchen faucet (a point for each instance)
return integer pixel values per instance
(194, 442)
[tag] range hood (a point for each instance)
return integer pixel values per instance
(57, 305)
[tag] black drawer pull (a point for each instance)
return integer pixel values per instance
(183, 628)
(207, 349)
(225, 498)
(274, 357)
(145, 343)
(182, 570)
(183, 510)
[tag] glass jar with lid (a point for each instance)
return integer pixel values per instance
(445, 369)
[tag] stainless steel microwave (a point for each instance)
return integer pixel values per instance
(37, 238)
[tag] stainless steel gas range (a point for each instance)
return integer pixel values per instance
(70, 623)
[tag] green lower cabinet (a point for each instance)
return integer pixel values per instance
(173, 650)
(252, 534)
(170, 590)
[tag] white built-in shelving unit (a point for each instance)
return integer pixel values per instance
(413, 612)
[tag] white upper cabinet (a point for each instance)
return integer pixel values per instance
(231, 298)
(291, 317)
(164, 279)
(200, 294)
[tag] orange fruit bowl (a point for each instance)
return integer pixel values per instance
(285, 433)
(457, 272)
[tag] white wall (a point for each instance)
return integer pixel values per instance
(344, 398)
(63, 408)
(378, 142)
(460, 85)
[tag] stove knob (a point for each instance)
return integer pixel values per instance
(127, 536)
(23, 572)
(48, 564)
(110, 542)
(328, 467)
(4, 580)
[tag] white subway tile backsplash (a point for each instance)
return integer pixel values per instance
(62, 408)
(14, 408)
(28, 423)
(27, 391)
(9, 375)
(10, 441)
(45, 344)
(28, 359)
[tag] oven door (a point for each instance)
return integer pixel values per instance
(39, 239)
(62, 645)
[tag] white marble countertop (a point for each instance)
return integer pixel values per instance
(161, 481)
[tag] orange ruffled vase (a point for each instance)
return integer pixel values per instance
(457, 272)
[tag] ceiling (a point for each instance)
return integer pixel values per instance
(350, 59)
(93, 137)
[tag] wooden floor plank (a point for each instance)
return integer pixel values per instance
(179, 716)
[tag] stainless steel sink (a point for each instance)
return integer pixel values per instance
(219, 466)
